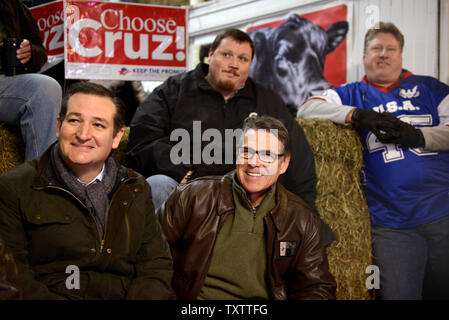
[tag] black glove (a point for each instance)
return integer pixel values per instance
(383, 125)
(408, 135)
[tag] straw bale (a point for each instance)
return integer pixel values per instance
(11, 147)
(341, 203)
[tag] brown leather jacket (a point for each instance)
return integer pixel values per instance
(195, 212)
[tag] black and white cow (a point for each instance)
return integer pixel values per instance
(290, 58)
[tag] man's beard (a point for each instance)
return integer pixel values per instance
(226, 85)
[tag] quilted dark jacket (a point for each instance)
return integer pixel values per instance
(48, 229)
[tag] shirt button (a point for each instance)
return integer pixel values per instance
(93, 250)
(109, 250)
(125, 203)
(136, 190)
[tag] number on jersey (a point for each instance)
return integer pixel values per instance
(394, 152)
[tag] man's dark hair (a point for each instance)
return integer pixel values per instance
(96, 90)
(384, 27)
(235, 34)
(256, 122)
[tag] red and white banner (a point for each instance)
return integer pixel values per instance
(50, 20)
(123, 41)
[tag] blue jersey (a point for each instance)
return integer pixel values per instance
(405, 187)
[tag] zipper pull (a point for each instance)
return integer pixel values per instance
(254, 219)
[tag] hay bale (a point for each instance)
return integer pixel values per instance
(12, 149)
(341, 203)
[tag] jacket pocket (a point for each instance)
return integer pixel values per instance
(44, 217)
(56, 236)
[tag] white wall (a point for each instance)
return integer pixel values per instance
(417, 19)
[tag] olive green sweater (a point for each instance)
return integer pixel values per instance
(239, 260)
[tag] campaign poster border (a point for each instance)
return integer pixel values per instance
(114, 68)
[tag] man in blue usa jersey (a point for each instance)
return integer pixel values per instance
(403, 120)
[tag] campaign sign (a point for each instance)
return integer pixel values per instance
(124, 41)
(50, 20)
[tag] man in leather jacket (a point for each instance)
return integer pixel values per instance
(243, 235)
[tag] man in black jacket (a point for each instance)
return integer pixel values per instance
(210, 103)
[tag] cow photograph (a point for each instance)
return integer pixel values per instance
(292, 55)
(290, 58)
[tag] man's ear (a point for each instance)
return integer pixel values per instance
(285, 163)
(118, 138)
(211, 52)
(363, 57)
(58, 124)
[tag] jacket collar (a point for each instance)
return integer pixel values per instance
(44, 176)
(225, 199)
(281, 205)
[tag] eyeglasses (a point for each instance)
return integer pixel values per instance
(264, 155)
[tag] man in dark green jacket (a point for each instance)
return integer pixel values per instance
(79, 226)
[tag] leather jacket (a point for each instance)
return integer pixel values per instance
(193, 215)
